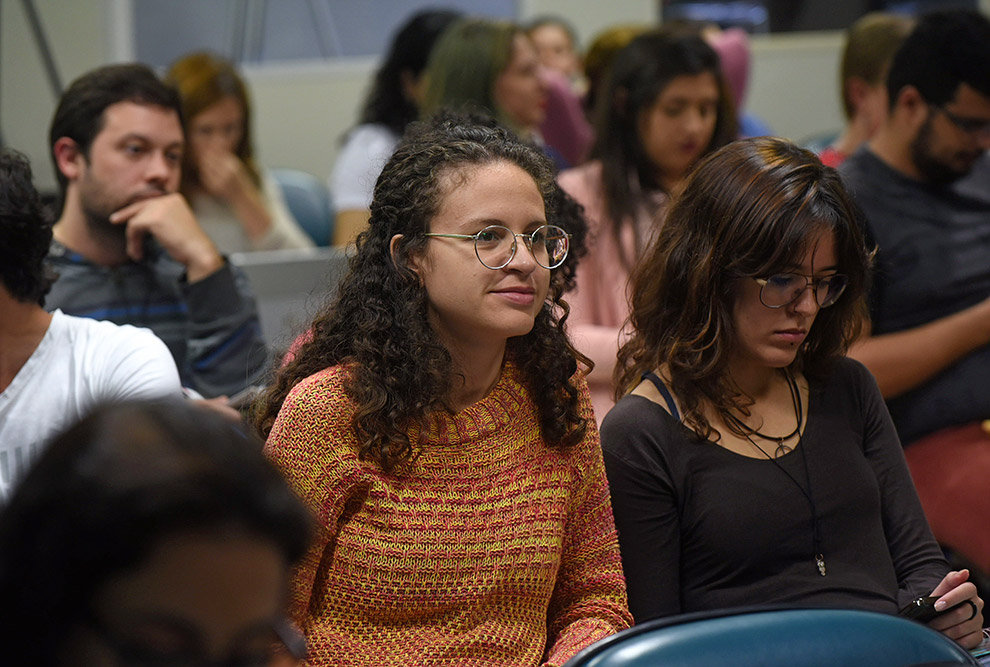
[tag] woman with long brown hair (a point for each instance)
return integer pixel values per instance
(751, 462)
(665, 105)
(439, 428)
(238, 204)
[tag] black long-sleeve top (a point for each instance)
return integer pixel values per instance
(701, 527)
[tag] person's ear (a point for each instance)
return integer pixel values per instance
(404, 262)
(911, 105)
(68, 157)
(857, 90)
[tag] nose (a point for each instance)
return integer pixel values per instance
(523, 260)
(159, 169)
(695, 122)
(807, 303)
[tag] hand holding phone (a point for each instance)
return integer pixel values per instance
(922, 609)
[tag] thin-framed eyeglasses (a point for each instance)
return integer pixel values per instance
(495, 245)
(979, 127)
(783, 289)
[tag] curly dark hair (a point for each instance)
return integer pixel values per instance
(25, 232)
(400, 372)
(748, 210)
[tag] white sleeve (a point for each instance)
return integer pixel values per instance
(136, 365)
(358, 164)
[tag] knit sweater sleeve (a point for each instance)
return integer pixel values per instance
(312, 445)
(589, 599)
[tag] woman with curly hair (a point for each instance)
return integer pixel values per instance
(752, 461)
(665, 105)
(439, 427)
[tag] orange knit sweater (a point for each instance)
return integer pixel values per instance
(490, 548)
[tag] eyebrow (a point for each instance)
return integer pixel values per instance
(481, 223)
(137, 136)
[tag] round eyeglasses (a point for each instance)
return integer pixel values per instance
(782, 289)
(495, 245)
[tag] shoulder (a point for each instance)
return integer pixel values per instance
(584, 179)
(123, 360)
(635, 424)
(370, 137)
(325, 388)
(847, 386)
(848, 371)
(116, 339)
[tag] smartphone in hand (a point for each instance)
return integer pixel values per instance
(922, 609)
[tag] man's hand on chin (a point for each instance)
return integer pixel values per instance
(170, 221)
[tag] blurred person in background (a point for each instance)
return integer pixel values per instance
(666, 105)
(150, 534)
(392, 103)
(238, 204)
(871, 43)
(490, 66)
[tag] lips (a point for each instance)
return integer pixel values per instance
(792, 335)
(521, 295)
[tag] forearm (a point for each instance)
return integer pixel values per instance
(226, 350)
(250, 209)
(903, 360)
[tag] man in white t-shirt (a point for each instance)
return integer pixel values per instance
(55, 368)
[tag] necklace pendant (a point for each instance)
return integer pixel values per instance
(820, 561)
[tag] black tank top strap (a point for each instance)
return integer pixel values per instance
(667, 396)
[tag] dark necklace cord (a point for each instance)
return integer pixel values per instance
(807, 493)
(748, 430)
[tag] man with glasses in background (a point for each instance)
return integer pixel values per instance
(923, 182)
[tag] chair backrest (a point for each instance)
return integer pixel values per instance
(290, 286)
(761, 637)
(309, 202)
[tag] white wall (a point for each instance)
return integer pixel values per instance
(302, 110)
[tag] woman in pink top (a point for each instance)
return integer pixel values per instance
(665, 106)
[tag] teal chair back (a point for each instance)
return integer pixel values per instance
(769, 637)
(309, 202)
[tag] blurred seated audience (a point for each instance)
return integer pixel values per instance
(127, 248)
(871, 43)
(55, 368)
(150, 534)
(238, 204)
(732, 46)
(439, 426)
(928, 211)
(557, 48)
(392, 103)
(490, 66)
(599, 56)
(751, 462)
(665, 106)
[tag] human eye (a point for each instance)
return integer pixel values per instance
(175, 157)
(133, 148)
(783, 281)
(490, 236)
